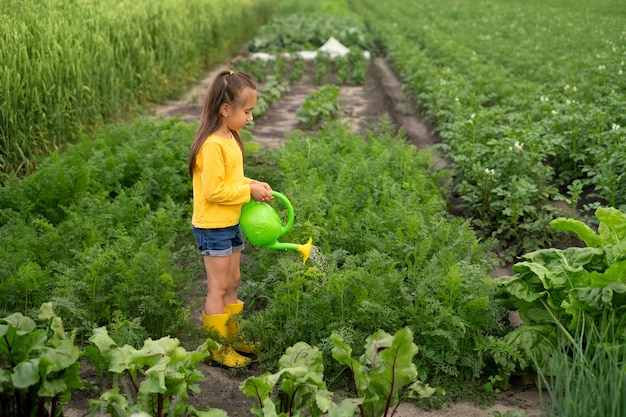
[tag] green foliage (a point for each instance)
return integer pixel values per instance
(387, 255)
(319, 107)
(298, 69)
(358, 66)
(321, 68)
(304, 32)
(96, 230)
(519, 128)
(302, 390)
(380, 376)
(588, 378)
(127, 331)
(557, 290)
(273, 89)
(78, 64)
(155, 379)
(39, 364)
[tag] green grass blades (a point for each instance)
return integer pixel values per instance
(588, 377)
(69, 67)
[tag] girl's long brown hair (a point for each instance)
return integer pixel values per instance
(225, 88)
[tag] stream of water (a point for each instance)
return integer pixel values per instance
(319, 259)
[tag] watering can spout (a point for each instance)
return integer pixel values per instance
(305, 249)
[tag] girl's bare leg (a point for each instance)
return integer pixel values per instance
(223, 276)
(234, 274)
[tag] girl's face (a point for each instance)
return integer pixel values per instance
(238, 114)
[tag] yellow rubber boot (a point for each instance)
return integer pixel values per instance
(239, 342)
(226, 355)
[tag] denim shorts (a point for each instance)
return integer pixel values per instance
(223, 241)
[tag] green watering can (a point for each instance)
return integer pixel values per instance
(263, 227)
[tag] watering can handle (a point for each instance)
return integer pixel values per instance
(290, 213)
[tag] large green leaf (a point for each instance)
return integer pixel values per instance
(612, 228)
(521, 286)
(155, 378)
(383, 371)
(51, 388)
(584, 232)
(540, 342)
(614, 273)
(55, 360)
(25, 374)
(22, 324)
(596, 299)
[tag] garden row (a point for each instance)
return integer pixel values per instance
(102, 232)
(114, 255)
(529, 99)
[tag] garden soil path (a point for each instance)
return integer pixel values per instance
(362, 108)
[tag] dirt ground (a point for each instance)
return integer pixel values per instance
(361, 106)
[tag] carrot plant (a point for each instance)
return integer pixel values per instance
(97, 230)
(390, 257)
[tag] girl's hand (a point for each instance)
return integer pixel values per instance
(261, 191)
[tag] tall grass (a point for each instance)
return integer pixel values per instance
(69, 66)
(590, 379)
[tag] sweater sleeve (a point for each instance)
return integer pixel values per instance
(221, 185)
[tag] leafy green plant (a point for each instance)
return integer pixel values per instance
(569, 120)
(321, 68)
(302, 390)
(359, 65)
(98, 229)
(342, 70)
(380, 376)
(556, 290)
(320, 106)
(273, 89)
(382, 373)
(257, 68)
(155, 379)
(298, 68)
(39, 365)
(304, 32)
(388, 255)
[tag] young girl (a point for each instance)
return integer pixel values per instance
(219, 191)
